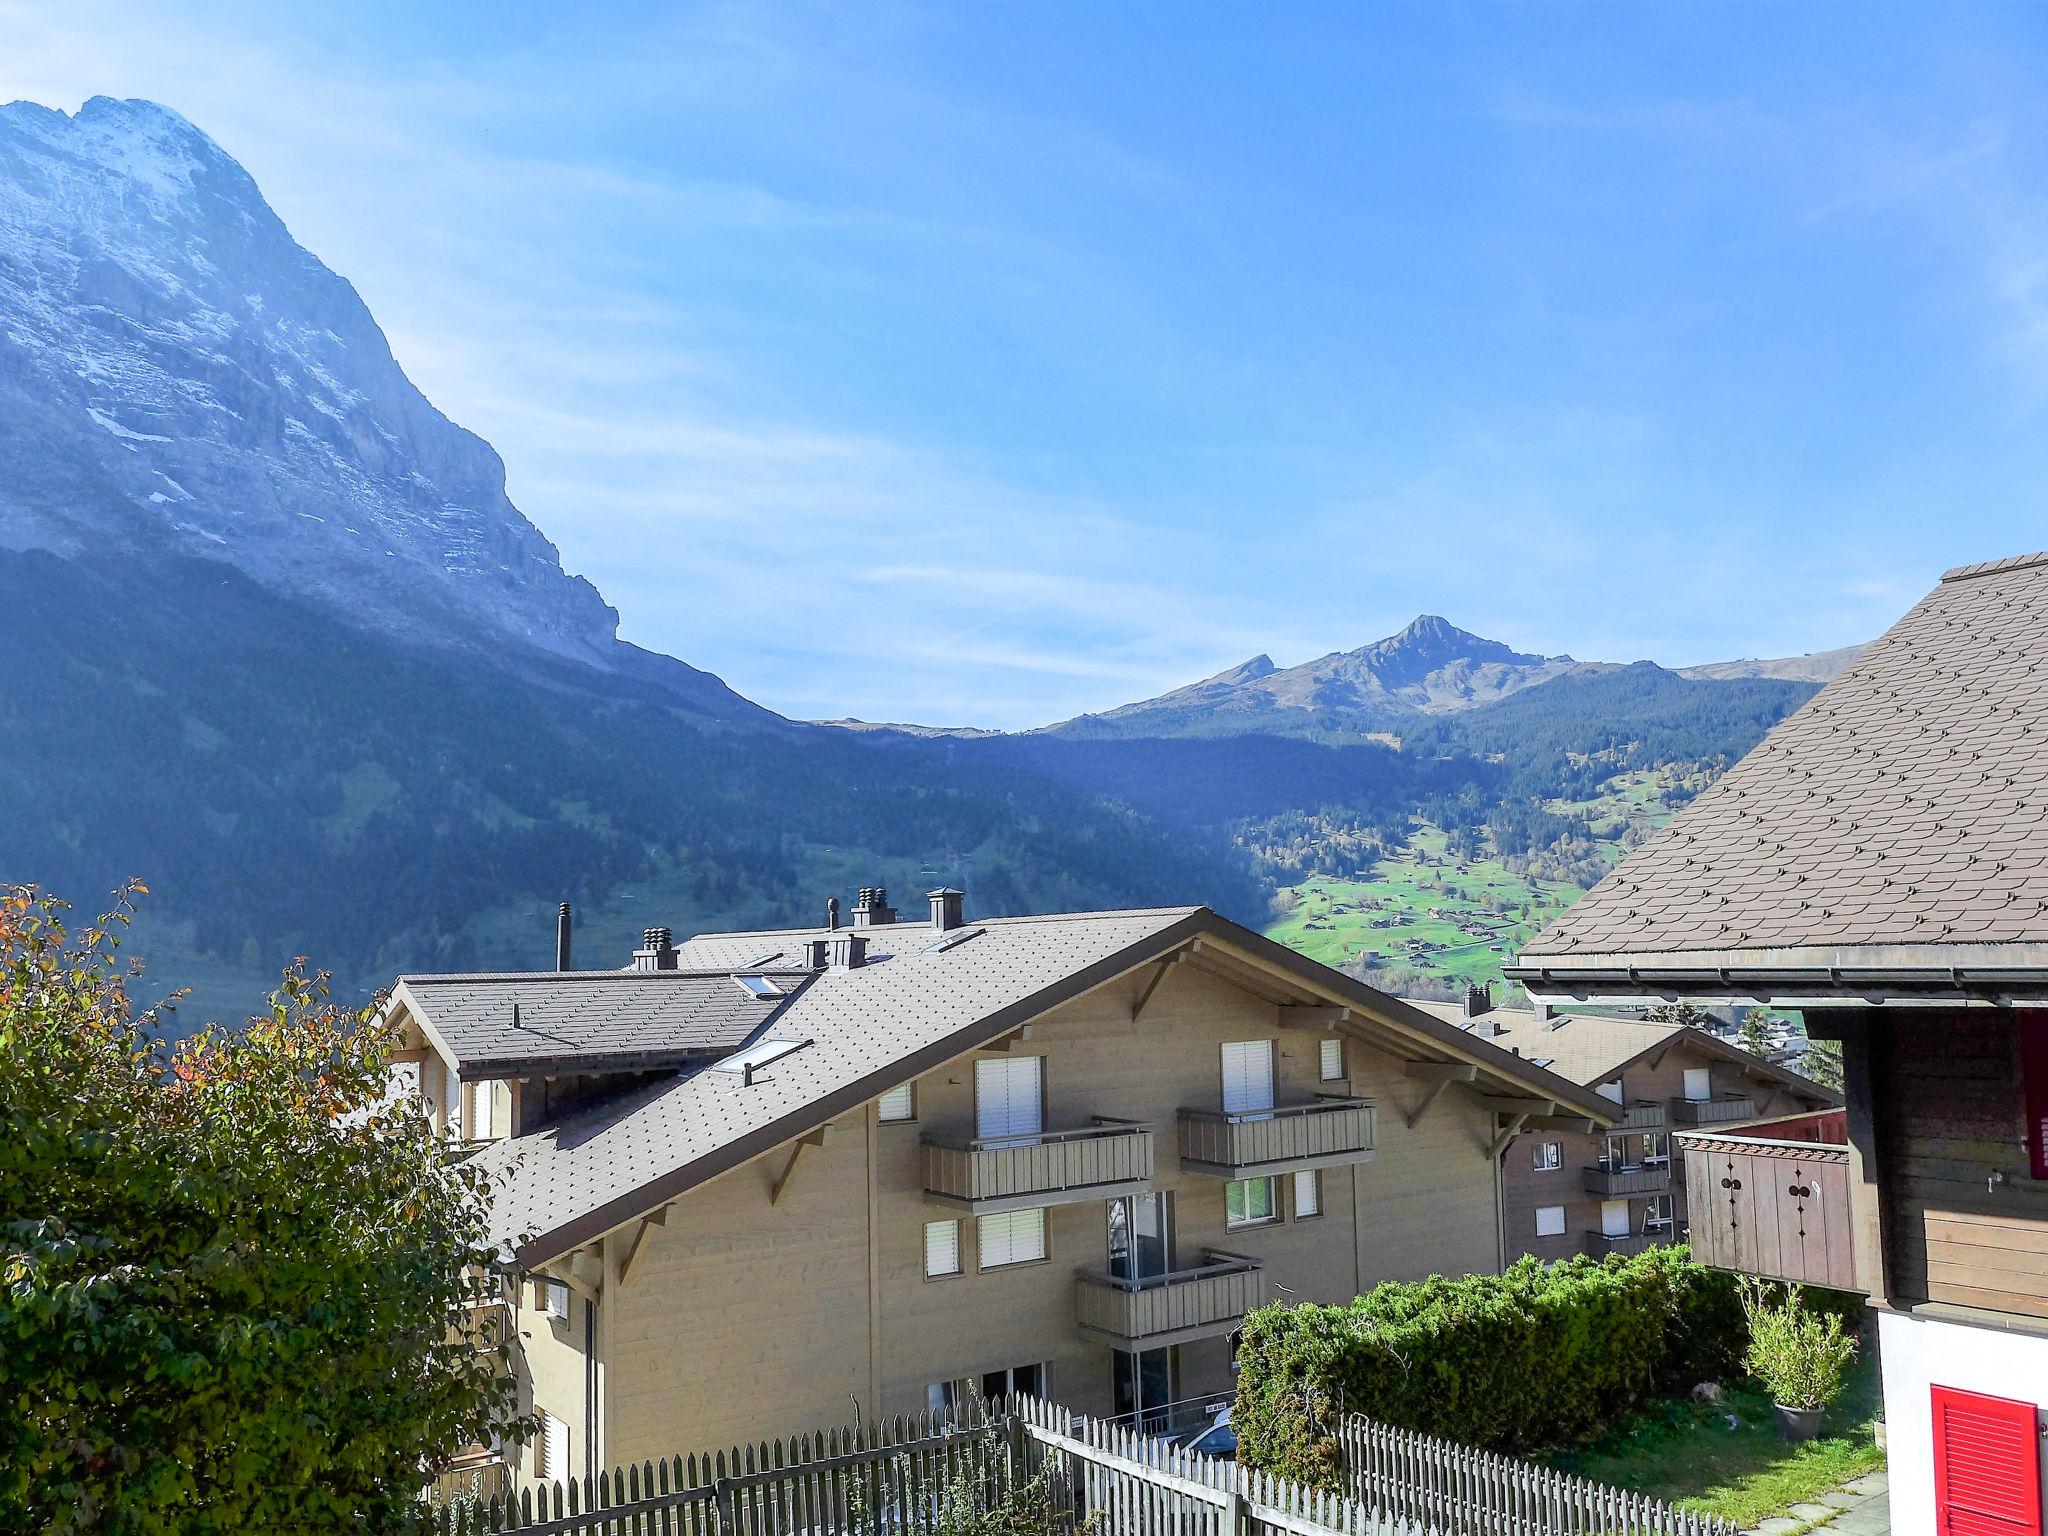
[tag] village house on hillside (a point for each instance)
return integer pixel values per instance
(1880, 862)
(760, 1181)
(1621, 1191)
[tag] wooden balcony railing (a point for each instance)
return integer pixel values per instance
(1722, 1109)
(1239, 1144)
(1644, 1115)
(1001, 1173)
(1779, 1209)
(1636, 1179)
(1208, 1300)
(1600, 1244)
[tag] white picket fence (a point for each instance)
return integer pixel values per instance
(1459, 1491)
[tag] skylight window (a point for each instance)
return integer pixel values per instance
(940, 946)
(768, 959)
(760, 986)
(758, 1055)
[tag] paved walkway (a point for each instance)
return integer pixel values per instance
(1858, 1508)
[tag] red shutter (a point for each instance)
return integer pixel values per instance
(2034, 1079)
(1987, 1466)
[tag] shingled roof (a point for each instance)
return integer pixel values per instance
(921, 999)
(1888, 840)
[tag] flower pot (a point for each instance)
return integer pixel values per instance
(1798, 1424)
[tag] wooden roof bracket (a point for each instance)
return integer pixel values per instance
(1513, 1129)
(814, 1139)
(1439, 1075)
(1164, 970)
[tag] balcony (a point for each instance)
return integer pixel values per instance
(1599, 1244)
(1779, 1209)
(1721, 1109)
(1004, 1173)
(1207, 1301)
(1250, 1143)
(1643, 1115)
(1635, 1179)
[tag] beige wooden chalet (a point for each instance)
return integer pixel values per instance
(763, 1180)
(1881, 863)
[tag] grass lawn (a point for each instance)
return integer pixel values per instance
(1685, 1452)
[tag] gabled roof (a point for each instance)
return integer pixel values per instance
(1595, 1048)
(1888, 840)
(913, 1006)
(597, 1021)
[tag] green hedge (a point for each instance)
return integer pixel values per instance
(1544, 1355)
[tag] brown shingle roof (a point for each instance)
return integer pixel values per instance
(1905, 805)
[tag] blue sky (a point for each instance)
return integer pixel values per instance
(989, 363)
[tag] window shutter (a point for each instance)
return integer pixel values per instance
(1333, 1060)
(1007, 1097)
(1308, 1196)
(480, 1109)
(1247, 1075)
(2034, 1076)
(941, 1248)
(1011, 1237)
(1987, 1469)
(1550, 1221)
(1614, 1218)
(554, 1443)
(1699, 1084)
(897, 1104)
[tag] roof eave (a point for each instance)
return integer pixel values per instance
(1899, 975)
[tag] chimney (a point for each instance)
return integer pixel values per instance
(873, 907)
(657, 951)
(1478, 1000)
(849, 951)
(945, 908)
(564, 922)
(831, 911)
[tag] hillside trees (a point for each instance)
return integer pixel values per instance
(234, 1280)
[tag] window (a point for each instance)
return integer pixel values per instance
(941, 1249)
(761, 987)
(554, 1448)
(899, 1103)
(552, 1297)
(1657, 1214)
(1333, 1060)
(1017, 1381)
(1615, 1155)
(1699, 1084)
(1247, 1076)
(1549, 1157)
(1614, 1218)
(1308, 1193)
(480, 1110)
(1249, 1202)
(944, 1397)
(1611, 1090)
(1656, 1147)
(1009, 1097)
(1550, 1221)
(2034, 1084)
(1011, 1237)
(758, 1055)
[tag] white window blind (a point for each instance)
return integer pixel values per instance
(1614, 1218)
(1550, 1221)
(1333, 1060)
(899, 1103)
(1007, 1097)
(480, 1110)
(1248, 1202)
(1699, 1084)
(1308, 1193)
(941, 1248)
(1247, 1075)
(1011, 1237)
(554, 1297)
(554, 1448)
(1611, 1090)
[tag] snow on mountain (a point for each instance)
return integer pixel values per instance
(177, 372)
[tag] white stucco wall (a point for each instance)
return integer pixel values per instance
(1920, 1354)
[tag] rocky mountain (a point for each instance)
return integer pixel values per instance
(180, 377)
(1430, 668)
(1813, 667)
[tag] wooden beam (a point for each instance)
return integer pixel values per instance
(1505, 1105)
(1514, 1129)
(1443, 1071)
(565, 1271)
(814, 1139)
(1145, 992)
(1865, 1045)
(1414, 1116)
(1578, 1123)
(632, 1257)
(1311, 1016)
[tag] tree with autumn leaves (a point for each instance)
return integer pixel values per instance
(236, 1275)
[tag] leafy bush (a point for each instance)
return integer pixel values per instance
(232, 1278)
(1543, 1355)
(1802, 1356)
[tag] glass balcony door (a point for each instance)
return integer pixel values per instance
(1141, 1235)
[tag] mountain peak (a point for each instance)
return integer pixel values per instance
(1251, 671)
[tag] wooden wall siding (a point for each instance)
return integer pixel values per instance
(1209, 1299)
(1965, 1221)
(1322, 1134)
(1777, 1209)
(1103, 1159)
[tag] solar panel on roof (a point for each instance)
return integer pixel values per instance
(760, 986)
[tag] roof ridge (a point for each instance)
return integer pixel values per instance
(1995, 567)
(924, 924)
